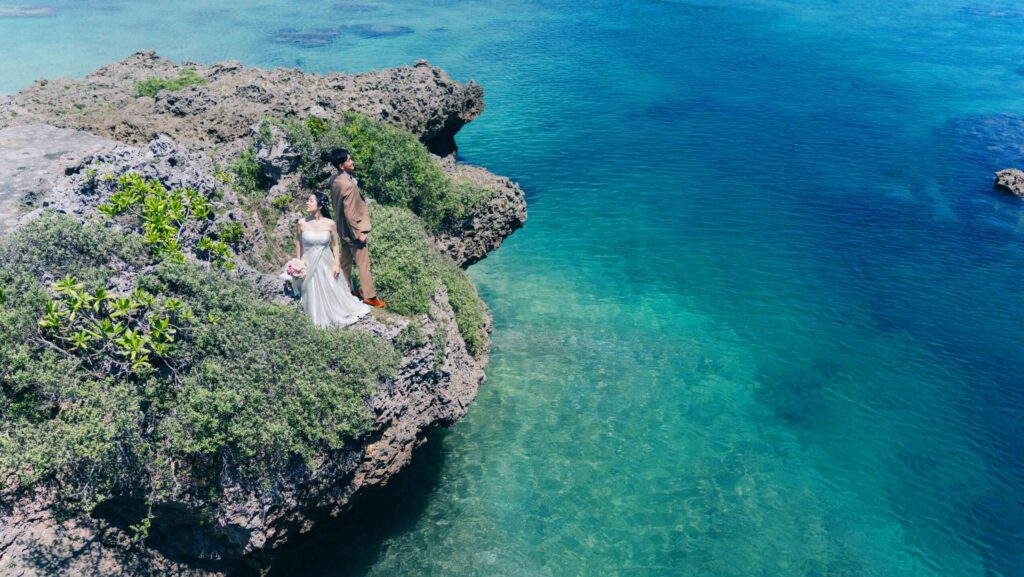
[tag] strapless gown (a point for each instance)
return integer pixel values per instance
(327, 300)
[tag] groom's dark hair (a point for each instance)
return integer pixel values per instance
(337, 156)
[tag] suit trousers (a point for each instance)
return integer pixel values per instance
(353, 250)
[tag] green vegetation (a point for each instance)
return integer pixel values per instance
(151, 86)
(231, 233)
(439, 340)
(246, 172)
(394, 167)
(410, 337)
(183, 376)
(283, 202)
(163, 215)
(470, 311)
(405, 270)
(119, 335)
(215, 251)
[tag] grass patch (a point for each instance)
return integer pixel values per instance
(151, 86)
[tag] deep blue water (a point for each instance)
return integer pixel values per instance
(766, 315)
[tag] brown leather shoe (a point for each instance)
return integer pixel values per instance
(374, 302)
(358, 294)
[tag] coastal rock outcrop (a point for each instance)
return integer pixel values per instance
(1011, 180)
(227, 98)
(76, 153)
(33, 157)
(218, 109)
(490, 225)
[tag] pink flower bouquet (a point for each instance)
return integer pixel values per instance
(295, 268)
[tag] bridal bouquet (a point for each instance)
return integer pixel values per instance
(294, 271)
(295, 268)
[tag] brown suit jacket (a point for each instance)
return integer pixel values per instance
(350, 211)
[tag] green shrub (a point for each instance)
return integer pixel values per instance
(470, 311)
(439, 340)
(283, 202)
(461, 200)
(215, 251)
(405, 271)
(151, 86)
(411, 336)
(267, 384)
(163, 214)
(245, 386)
(393, 167)
(58, 418)
(231, 233)
(246, 172)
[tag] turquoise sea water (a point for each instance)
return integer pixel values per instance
(766, 315)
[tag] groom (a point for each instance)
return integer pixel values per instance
(353, 220)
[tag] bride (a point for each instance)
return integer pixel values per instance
(325, 298)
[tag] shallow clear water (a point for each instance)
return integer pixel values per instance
(765, 317)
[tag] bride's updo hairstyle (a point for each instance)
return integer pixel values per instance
(322, 204)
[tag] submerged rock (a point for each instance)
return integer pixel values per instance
(1011, 180)
(305, 38)
(355, 7)
(376, 30)
(27, 11)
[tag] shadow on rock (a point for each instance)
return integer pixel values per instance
(350, 545)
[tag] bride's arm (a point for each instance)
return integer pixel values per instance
(298, 240)
(334, 249)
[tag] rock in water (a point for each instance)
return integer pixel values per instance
(26, 11)
(305, 38)
(1011, 180)
(376, 30)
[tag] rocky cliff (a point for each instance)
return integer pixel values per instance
(54, 134)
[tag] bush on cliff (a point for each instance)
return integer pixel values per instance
(246, 388)
(393, 167)
(405, 269)
(470, 311)
(407, 272)
(151, 86)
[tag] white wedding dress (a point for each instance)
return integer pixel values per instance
(327, 300)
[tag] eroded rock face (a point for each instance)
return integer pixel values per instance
(489, 225)
(420, 98)
(1011, 180)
